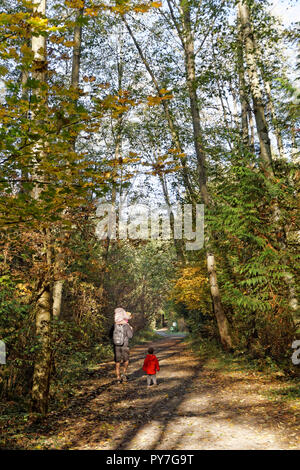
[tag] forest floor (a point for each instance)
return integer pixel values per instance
(196, 405)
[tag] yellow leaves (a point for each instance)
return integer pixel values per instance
(91, 12)
(26, 50)
(156, 4)
(89, 79)
(56, 39)
(104, 86)
(144, 7)
(3, 70)
(190, 287)
(154, 100)
(40, 24)
(118, 104)
(69, 43)
(163, 91)
(12, 53)
(23, 289)
(75, 3)
(176, 153)
(140, 7)
(16, 18)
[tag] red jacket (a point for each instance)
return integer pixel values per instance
(151, 364)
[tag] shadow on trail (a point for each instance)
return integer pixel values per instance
(117, 417)
(135, 405)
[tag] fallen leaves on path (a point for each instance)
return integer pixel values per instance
(193, 407)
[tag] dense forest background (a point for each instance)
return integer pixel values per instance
(179, 102)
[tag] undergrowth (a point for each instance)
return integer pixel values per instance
(212, 356)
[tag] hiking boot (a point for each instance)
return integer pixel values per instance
(124, 378)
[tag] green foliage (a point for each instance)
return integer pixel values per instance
(255, 259)
(16, 332)
(64, 147)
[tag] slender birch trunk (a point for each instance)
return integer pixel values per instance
(242, 92)
(271, 107)
(223, 104)
(274, 120)
(246, 31)
(178, 244)
(43, 314)
(251, 128)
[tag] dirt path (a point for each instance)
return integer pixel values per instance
(193, 407)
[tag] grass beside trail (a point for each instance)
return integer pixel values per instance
(283, 379)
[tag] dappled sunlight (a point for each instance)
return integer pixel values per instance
(147, 436)
(191, 408)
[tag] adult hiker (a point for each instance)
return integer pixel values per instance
(121, 335)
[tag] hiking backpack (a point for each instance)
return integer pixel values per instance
(118, 335)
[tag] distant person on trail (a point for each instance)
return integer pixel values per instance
(151, 366)
(121, 335)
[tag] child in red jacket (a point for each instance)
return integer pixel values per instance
(151, 366)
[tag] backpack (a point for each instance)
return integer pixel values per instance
(118, 335)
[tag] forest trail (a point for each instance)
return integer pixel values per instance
(193, 407)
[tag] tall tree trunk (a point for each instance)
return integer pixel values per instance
(43, 314)
(242, 92)
(225, 338)
(167, 113)
(220, 88)
(251, 127)
(271, 107)
(59, 257)
(294, 146)
(57, 297)
(42, 365)
(189, 57)
(245, 25)
(274, 119)
(178, 243)
(217, 305)
(187, 40)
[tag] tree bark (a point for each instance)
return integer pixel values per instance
(43, 314)
(57, 297)
(217, 304)
(242, 92)
(274, 120)
(178, 243)
(187, 40)
(42, 365)
(245, 25)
